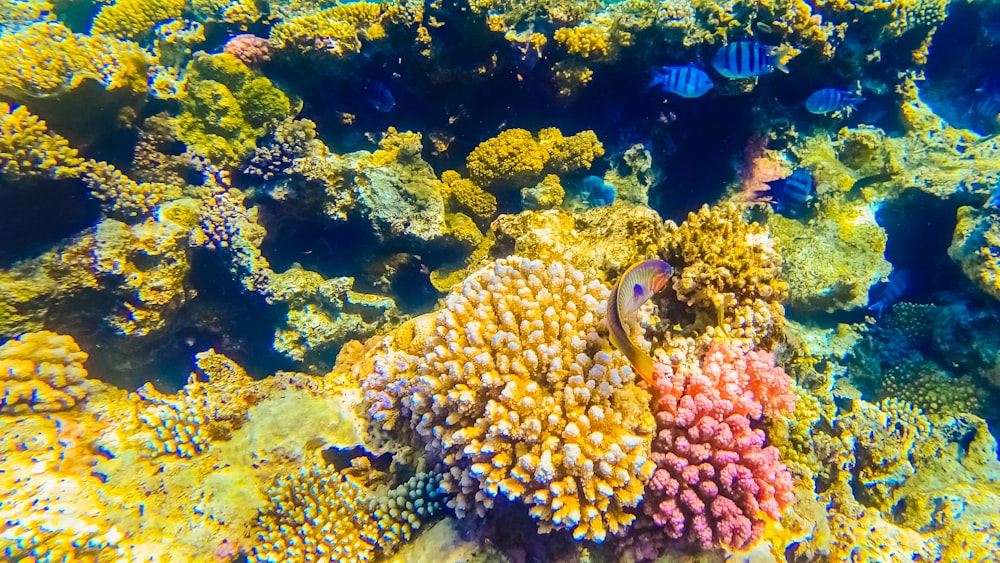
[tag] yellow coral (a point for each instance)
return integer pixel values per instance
(46, 58)
(569, 76)
(185, 424)
(468, 196)
(547, 194)
(593, 40)
(28, 149)
(123, 196)
(135, 19)
(516, 157)
(727, 269)
(41, 372)
(338, 30)
(519, 395)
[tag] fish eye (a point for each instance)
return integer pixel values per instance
(638, 289)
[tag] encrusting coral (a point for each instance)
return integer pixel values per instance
(519, 395)
(41, 372)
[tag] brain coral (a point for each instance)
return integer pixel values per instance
(519, 394)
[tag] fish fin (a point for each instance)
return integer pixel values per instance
(780, 66)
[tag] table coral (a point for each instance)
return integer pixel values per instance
(714, 475)
(134, 19)
(727, 271)
(28, 149)
(519, 395)
(41, 372)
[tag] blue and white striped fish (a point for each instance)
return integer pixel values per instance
(790, 195)
(746, 59)
(829, 100)
(890, 292)
(685, 81)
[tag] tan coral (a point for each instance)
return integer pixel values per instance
(41, 372)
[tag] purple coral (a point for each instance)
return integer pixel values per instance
(249, 48)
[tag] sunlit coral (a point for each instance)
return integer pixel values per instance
(41, 372)
(28, 149)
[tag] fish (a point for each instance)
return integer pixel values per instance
(746, 59)
(379, 96)
(829, 100)
(596, 191)
(791, 194)
(635, 286)
(685, 81)
(889, 292)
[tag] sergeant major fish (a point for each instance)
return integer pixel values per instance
(890, 292)
(790, 195)
(746, 59)
(640, 282)
(685, 81)
(829, 100)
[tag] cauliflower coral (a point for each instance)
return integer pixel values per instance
(519, 394)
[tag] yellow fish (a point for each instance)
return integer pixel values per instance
(632, 289)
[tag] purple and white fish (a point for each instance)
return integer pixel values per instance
(640, 282)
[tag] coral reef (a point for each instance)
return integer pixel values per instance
(41, 372)
(516, 158)
(714, 475)
(132, 19)
(28, 149)
(519, 338)
(976, 247)
(727, 272)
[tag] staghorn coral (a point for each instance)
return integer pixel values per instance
(135, 19)
(727, 271)
(210, 407)
(29, 150)
(41, 372)
(519, 395)
(516, 158)
(714, 475)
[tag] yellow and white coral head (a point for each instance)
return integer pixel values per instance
(520, 394)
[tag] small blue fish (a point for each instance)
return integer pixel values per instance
(829, 100)
(791, 194)
(888, 293)
(685, 81)
(596, 191)
(746, 59)
(640, 282)
(379, 96)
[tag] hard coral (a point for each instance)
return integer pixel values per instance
(41, 372)
(714, 476)
(135, 19)
(29, 150)
(728, 272)
(515, 158)
(249, 49)
(519, 394)
(339, 30)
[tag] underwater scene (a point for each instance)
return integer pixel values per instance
(511, 281)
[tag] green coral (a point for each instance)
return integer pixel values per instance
(226, 107)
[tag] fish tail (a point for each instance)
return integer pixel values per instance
(643, 364)
(780, 65)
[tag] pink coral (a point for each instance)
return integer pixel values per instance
(714, 474)
(249, 48)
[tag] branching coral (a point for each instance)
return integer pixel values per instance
(123, 197)
(28, 149)
(727, 270)
(714, 475)
(185, 424)
(518, 394)
(41, 372)
(339, 30)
